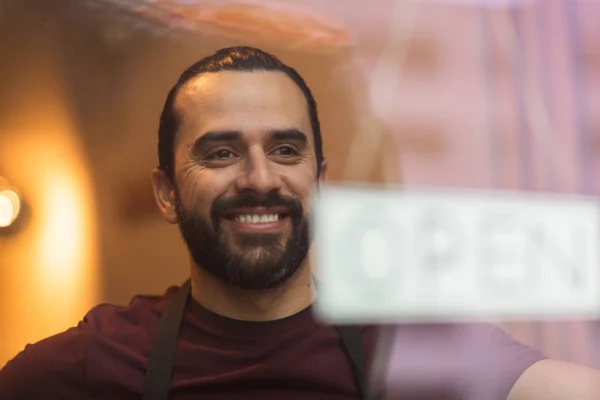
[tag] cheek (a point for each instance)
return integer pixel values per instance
(301, 187)
(193, 197)
(204, 187)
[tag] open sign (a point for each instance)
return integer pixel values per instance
(387, 255)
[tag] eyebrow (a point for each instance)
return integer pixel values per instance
(289, 134)
(214, 137)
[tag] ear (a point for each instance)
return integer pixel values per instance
(323, 173)
(164, 194)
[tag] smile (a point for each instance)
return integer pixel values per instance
(257, 218)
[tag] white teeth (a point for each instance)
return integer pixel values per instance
(257, 218)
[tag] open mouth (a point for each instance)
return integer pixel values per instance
(258, 218)
(265, 216)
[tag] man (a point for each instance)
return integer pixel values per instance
(239, 154)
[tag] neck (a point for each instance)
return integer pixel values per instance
(253, 305)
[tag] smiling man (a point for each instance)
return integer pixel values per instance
(237, 178)
(239, 154)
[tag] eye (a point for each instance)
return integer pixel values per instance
(286, 151)
(221, 154)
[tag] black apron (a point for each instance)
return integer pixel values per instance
(162, 353)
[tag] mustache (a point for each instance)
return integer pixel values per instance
(224, 205)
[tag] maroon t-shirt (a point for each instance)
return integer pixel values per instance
(105, 357)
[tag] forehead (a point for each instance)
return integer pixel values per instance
(249, 102)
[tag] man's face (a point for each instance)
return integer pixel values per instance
(244, 168)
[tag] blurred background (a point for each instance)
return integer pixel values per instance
(458, 94)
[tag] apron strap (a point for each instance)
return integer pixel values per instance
(353, 344)
(162, 353)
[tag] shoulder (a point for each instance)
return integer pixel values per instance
(478, 360)
(51, 368)
(495, 361)
(109, 320)
(115, 326)
(60, 366)
(500, 362)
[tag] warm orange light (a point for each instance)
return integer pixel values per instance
(56, 281)
(10, 206)
(65, 242)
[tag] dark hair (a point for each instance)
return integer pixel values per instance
(243, 59)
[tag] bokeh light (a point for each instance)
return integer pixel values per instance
(10, 207)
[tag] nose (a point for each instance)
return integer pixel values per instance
(258, 175)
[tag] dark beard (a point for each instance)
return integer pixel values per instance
(278, 258)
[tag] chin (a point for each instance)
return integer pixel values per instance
(256, 257)
(258, 242)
